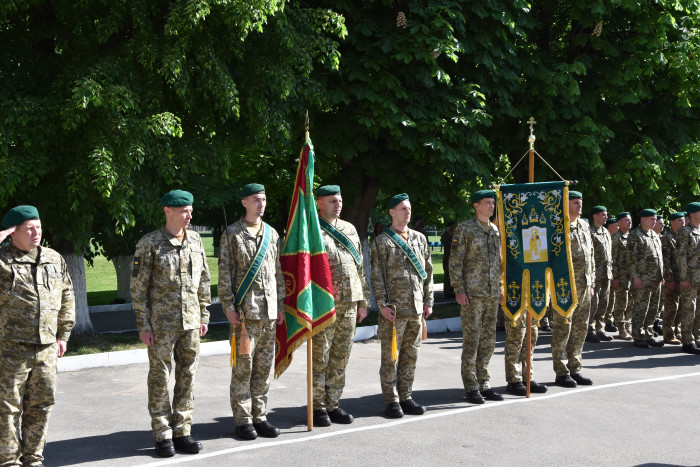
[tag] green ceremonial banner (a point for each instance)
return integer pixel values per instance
(536, 255)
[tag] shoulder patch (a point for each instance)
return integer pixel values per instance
(136, 266)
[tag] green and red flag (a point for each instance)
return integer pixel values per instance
(308, 305)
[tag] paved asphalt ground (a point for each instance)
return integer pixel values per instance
(644, 409)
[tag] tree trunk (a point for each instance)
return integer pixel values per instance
(122, 265)
(76, 269)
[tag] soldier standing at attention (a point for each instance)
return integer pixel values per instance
(621, 278)
(402, 280)
(688, 259)
(568, 338)
(475, 265)
(251, 289)
(38, 313)
(331, 347)
(602, 246)
(170, 290)
(671, 318)
(646, 270)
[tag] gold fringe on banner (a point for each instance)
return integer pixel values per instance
(233, 349)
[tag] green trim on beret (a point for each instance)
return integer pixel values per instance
(598, 209)
(482, 194)
(177, 199)
(623, 214)
(251, 189)
(647, 213)
(692, 207)
(19, 214)
(611, 220)
(396, 199)
(328, 190)
(575, 194)
(676, 215)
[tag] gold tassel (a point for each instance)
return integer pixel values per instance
(425, 331)
(394, 346)
(245, 341)
(233, 349)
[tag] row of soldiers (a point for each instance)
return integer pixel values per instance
(170, 287)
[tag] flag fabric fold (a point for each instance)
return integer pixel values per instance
(308, 305)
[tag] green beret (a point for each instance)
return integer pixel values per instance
(692, 207)
(328, 190)
(676, 215)
(647, 213)
(251, 189)
(598, 209)
(575, 194)
(623, 214)
(482, 194)
(19, 214)
(611, 220)
(177, 199)
(396, 200)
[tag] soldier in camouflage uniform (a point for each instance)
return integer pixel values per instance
(688, 260)
(331, 347)
(646, 269)
(568, 338)
(170, 290)
(602, 245)
(671, 319)
(260, 307)
(619, 299)
(475, 265)
(403, 297)
(613, 227)
(38, 313)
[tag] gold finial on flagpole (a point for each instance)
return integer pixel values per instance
(531, 138)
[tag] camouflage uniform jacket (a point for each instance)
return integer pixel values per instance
(643, 256)
(36, 307)
(394, 270)
(688, 254)
(475, 260)
(349, 283)
(582, 254)
(602, 245)
(668, 248)
(170, 282)
(619, 246)
(266, 295)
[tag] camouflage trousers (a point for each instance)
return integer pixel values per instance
(478, 341)
(644, 303)
(618, 304)
(516, 348)
(568, 337)
(599, 305)
(396, 378)
(671, 318)
(182, 347)
(331, 353)
(28, 389)
(690, 318)
(250, 377)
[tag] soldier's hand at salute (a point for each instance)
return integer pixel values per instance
(234, 318)
(280, 317)
(388, 313)
(462, 299)
(361, 314)
(146, 338)
(6, 232)
(203, 328)
(62, 347)
(637, 282)
(427, 311)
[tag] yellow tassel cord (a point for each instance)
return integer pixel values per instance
(394, 346)
(425, 331)
(233, 349)
(245, 341)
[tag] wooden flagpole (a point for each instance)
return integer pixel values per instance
(528, 321)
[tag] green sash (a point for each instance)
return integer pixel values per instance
(341, 238)
(408, 251)
(254, 268)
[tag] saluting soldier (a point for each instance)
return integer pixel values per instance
(331, 347)
(646, 269)
(568, 338)
(251, 289)
(475, 265)
(671, 319)
(38, 313)
(602, 245)
(621, 279)
(402, 281)
(688, 259)
(170, 291)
